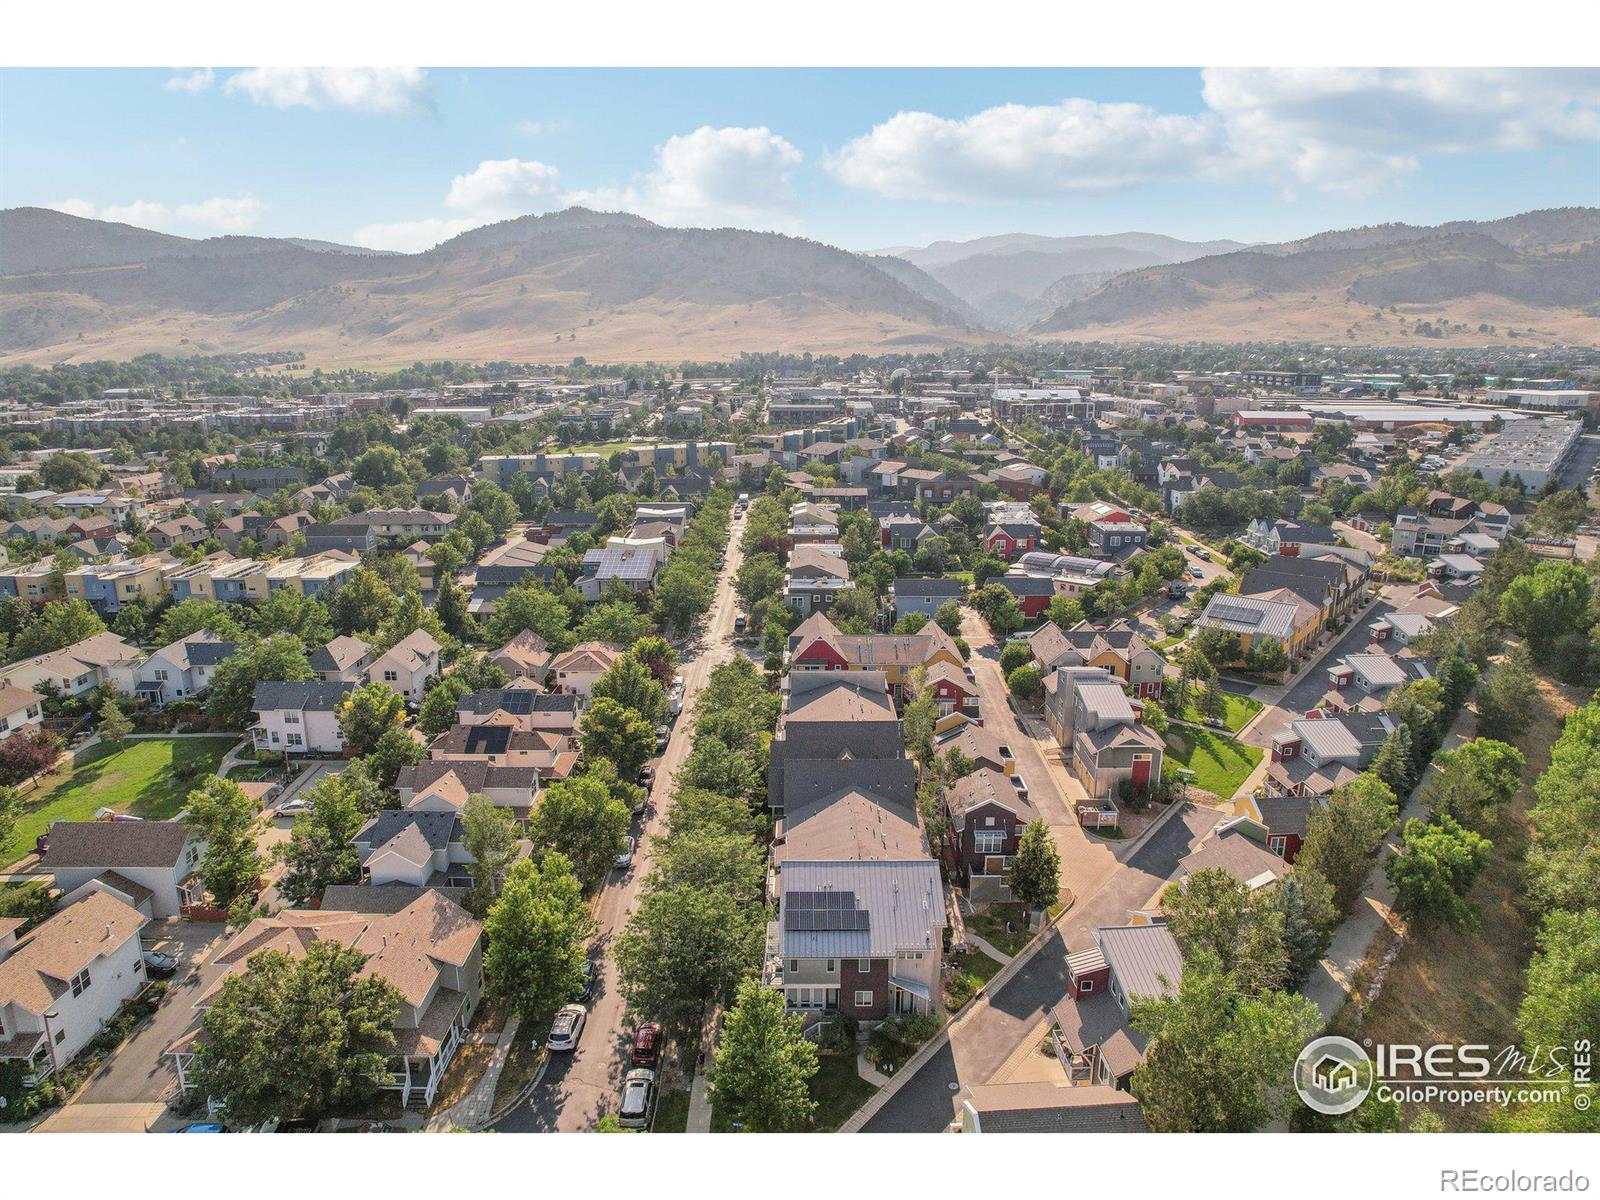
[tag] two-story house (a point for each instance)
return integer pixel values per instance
(298, 718)
(415, 847)
(343, 660)
(987, 816)
(20, 710)
(816, 574)
(408, 665)
(151, 865)
(1092, 1029)
(1090, 715)
(179, 671)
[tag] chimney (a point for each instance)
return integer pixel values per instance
(107, 937)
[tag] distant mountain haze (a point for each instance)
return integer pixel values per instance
(617, 287)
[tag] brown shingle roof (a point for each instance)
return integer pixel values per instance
(115, 844)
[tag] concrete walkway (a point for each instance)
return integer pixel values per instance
(474, 1109)
(233, 758)
(993, 952)
(699, 1090)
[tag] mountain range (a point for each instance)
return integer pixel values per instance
(612, 286)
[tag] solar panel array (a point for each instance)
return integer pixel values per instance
(823, 912)
(1238, 614)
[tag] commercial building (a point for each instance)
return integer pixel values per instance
(1532, 451)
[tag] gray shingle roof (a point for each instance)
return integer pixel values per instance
(115, 844)
(1051, 1108)
(309, 696)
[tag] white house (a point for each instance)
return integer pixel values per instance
(408, 665)
(75, 669)
(19, 709)
(418, 847)
(174, 672)
(578, 669)
(151, 863)
(343, 660)
(298, 718)
(61, 983)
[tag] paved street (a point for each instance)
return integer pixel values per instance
(580, 1087)
(993, 1028)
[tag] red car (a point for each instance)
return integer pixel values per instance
(646, 1045)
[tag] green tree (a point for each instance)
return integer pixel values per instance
(367, 713)
(1547, 603)
(451, 609)
(948, 618)
(287, 1039)
(683, 591)
(1475, 781)
(1562, 1002)
(395, 751)
(1064, 611)
(920, 715)
(226, 820)
(489, 836)
(764, 1065)
(998, 607)
(320, 850)
(581, 820)
(1036, 870)
(285, 611)
(1509, 697)
(62, 623)
(1436, 867)
(1344, 833)
(358, 605)
(1212, 913)
(1394, 761)
(631, 684)
(113, 726)
(10, 813)
(438, 712)
(615, 621)
(233, 685)
(536, 935)
(616, 734)
(656, 653)
(1215, 1059)
(1014, 655)
(684, 950)
(191, 616)
(1305, 900)
(1025, 682)
(528, 606)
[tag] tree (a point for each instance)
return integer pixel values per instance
(233, 685)
(320, 849)
(395, 751)
(113, 725)
(1025, 682)
(405, 618)
(1394, 761)
(220, 815)
(25, 754)
(1562, 1002)
(191, 616)
(1344, 834)
(1216, 1060)
(1420, 706)
(489, 836)
(656, 653)
(358, 605)
(1550, 601)
(527, 606)
(536, 935)
(1509, 697)
(948, 618)
(286, 611)
(684, 950)
(683, 591)
(1014, 655)
(62, 623)
(580, 819)
(10, 812)
(286, 1039)
(379, 467)
(1437, 865)
(631, 684)
(438, 712)
(710, 858)
(764, 1065)
(998, 607)
(1036, 870)
(1064, 611)
(615, 621)
(1267, 657)
(920, 715)
(1212, 700)
(366, 714)
(1305, 901)
(69, 471)
(620, 735)
(1212, 913)
(1475, 781)
(451, 609)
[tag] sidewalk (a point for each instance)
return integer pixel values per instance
(474, 1109)
(699, 1090)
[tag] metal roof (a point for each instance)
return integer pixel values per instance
(1145, 958)
(900, 906)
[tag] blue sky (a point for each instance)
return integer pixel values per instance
(861, 158)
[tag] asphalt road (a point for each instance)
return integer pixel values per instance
(986, 1037)
(580, 1087)
(1582, 464)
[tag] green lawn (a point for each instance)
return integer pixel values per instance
(672, 1111)
(977, 968)
(1238, 711)
(838, 1089)
(991, 925)
(605, 449)
(1219, 763)
(137, 779)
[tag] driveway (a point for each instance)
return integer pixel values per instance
(139, 1070)
(982, 1041)
(579, 1088)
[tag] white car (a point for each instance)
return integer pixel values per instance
(626, 857)
(567, 1028)
(291, 808)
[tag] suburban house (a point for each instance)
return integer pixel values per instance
(522, 708)
(1116, 647)
(1116, 541)
(431, 951)
(1239, 846)
(925, 596)
(420, 848)
(1092, 1029)
(407, 666)
(179, 671)
(817, 645)
(63, 981)
(343, 660)
(444, 785)
(1012, 536)
(1286, 537)
(1090, 715)
(551, 753)
(525, 656)
(834, 724)
(987, 816)
(632, 565)
(577, 670)
(1315, 755)
(149, 864)
(1362, 682)
(816, 574)
(298, 718)
(72, 670)
(20, 709)
(982, 746)
(904, 532)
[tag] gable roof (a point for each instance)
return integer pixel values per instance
(38, 970)
(304, 696)
(115, 844)
(339, 655)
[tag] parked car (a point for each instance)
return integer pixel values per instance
(1202, 553)
(203, 1127)
(1197, 572)
(643, 802)
(647, 775)
(567, 1028)
(590, 975)
(158, 965)
(626, 856)
(663, 736)
(646, 1045)
(290, 808)
(638, 1098)
(738, 624)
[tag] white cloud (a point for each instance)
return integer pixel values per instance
(1026, 151)
(1357, 129)
(727, 176)
(411, 237)
(1336, 130)
(501, 188)
(191, 81)
(536, 128)
(389, 90)
(219, 214)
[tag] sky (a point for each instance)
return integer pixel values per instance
(402, 158)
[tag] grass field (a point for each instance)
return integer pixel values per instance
(991, 926)
(672, 1111)
(137, 779)
(1236, 713)
(1219, 763)
(602, 448)
(1458, 986)
(837, 1087)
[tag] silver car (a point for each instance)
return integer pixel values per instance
(638, 1098)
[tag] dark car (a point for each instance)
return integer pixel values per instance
(590, 977)
(646, 1045)
(158, 965)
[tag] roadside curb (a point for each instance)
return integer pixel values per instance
(500, 1113)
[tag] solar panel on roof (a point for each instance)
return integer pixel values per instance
(1241, 616)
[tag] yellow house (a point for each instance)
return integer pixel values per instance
(1257, 619)
(817, 645)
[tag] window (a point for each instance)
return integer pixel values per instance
(1086, 986)
(863, 965)
(988, 820)
(390, 676)
(80, 982)
(864, 998)
(989, 841)
(830, 966)
(295, 739)
(291, 718)
(1278, 844)
(161, 676)
(794, 966)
